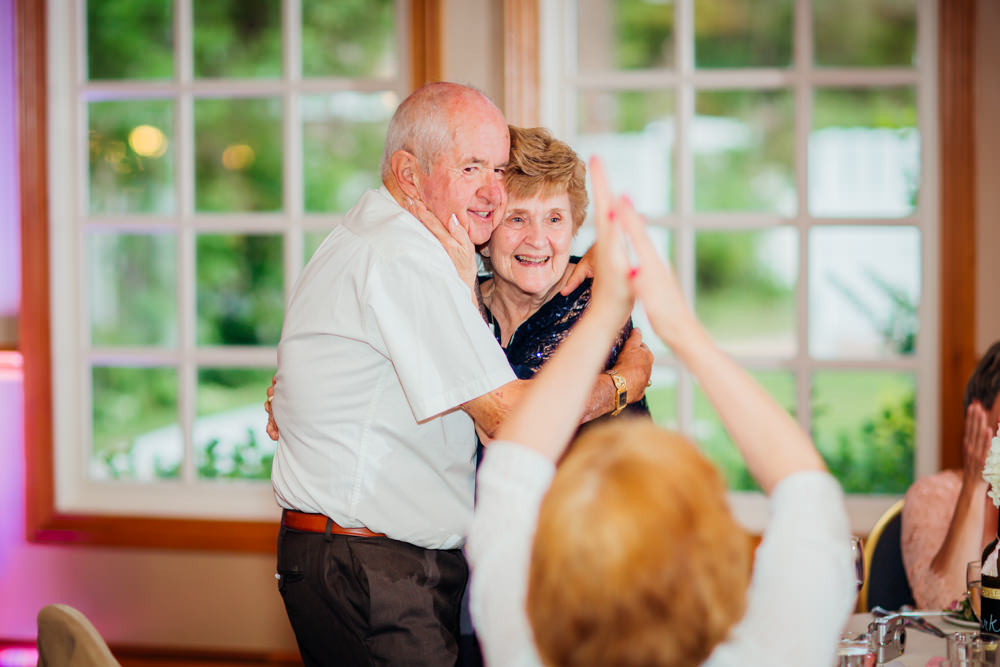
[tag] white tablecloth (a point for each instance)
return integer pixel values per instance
(920, 646)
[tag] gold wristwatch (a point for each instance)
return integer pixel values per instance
(621, 389)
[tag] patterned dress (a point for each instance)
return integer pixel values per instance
(536, 338)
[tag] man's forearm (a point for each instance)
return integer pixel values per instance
(634, 365)
(489, 410)
(604, 396)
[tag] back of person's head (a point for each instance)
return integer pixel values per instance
(637, 559)
(542, 165)
(984, 383)
(422, 124)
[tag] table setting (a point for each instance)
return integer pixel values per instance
(918, 638)
(910, 637)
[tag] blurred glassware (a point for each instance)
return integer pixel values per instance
(974, 584)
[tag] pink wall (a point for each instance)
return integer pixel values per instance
(133, 596)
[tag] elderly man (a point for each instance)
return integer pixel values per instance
(383, 360)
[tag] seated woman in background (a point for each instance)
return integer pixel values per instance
(529, 257)
(627, 554)
(947, 517)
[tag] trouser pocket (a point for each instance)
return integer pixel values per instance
(289, 566)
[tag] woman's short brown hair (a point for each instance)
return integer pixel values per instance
(540, 164)
(637, 559)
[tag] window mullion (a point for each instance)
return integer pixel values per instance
(186, 267)
(684, 100)
(802, 65)
(928, 444)
(293, 157)
(76, 468)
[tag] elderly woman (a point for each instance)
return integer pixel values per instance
(530, 259)
(627, 554)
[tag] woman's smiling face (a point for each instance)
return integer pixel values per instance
(530, 246)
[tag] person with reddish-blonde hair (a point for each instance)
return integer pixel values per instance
(611, 491)
(626, 554)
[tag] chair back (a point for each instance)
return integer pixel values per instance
(885, 583)
(67, 639)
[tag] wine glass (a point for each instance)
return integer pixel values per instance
(858, 556)
(973, 584)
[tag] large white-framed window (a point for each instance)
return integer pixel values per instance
(785, 154)
(198, 153)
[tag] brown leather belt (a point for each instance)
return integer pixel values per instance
(317, 523)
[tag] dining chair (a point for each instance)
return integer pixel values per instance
(885, 582)
(67, 639)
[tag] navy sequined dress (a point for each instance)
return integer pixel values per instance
(536, 339)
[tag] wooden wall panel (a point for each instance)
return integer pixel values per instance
(956, 105)
(521, 62)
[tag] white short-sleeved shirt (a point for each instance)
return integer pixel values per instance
(801, 592)
(380, 345)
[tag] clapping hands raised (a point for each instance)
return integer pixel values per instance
(650, 278)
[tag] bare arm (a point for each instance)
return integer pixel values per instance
(634, 363)
(490, 410)
(963, 541)
(771, 442)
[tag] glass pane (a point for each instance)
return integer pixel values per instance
(745, 289)
(882, 32)
(350, 39)
(627, 34)
(132, 289)
(240, 299)
(130, 40)
(742, 33)
(864, 425)
(633, 132)
(136, 432)
(237, 38)
(230, 440)
(744, 144)
(238, 155)
(864, 292)
(864, 153)
(711, 436)
(342, 139)
(662, 396)
(311, 243)
(131, 158)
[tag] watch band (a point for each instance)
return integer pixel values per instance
(621, 389)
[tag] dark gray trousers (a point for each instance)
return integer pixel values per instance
(370, 600)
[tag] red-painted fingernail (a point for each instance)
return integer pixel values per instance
(611, 214)
(633, 273)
